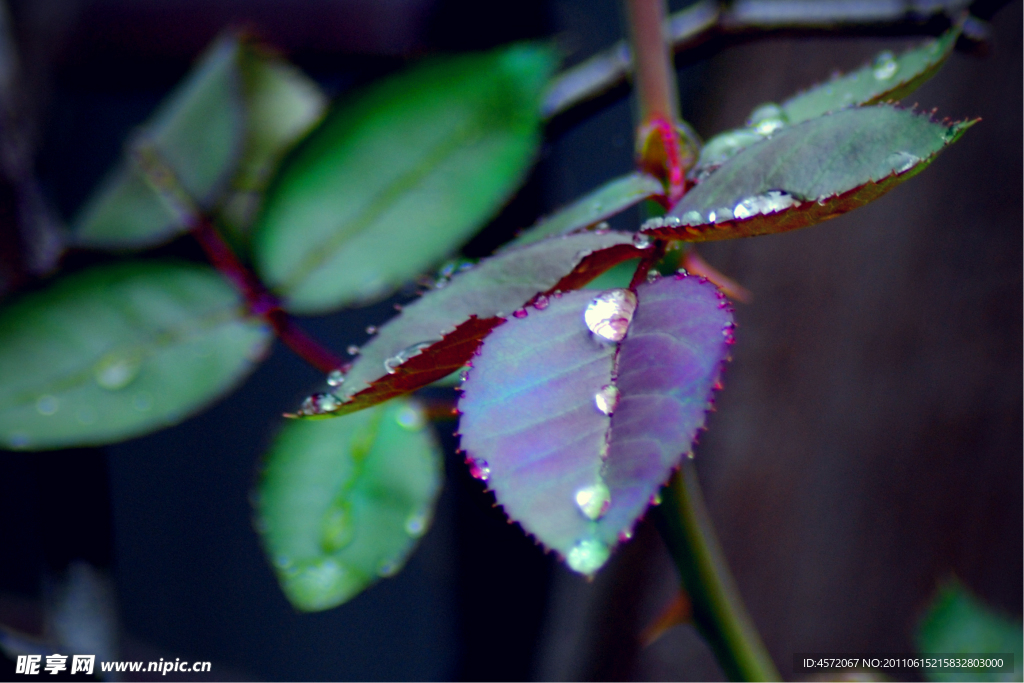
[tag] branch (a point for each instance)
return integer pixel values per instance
(744, 20)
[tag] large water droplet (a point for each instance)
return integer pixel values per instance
(607, 399)
(593, 501)
(47, 404)
(411, 418)
(478, 469)
(541, 302)
(337, 528)
(767, 119)
(587, 556)
(335, 378)
(769, 202)
(391, 364)
(693, 218)
(416, 523)
(884, 66)
(318, 404)
(117, 369)
(608, 315)
(641, 241)
(722, 215)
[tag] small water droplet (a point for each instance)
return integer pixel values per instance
(416, 523)
(541, 302)
(607, 399)
(587, 556)
(769, 202)
(593, 501)
(388, 568)
(641, 241)
(898, 162)
(519, 313)
(371, 329)
(608, 315)
(18, 440)
(722, 215)
(478, 469)
(693, 218)
(625, 535)
(337, 528)
(656, 499)
(690, 455)
(335, 378)
(282, 562)
(712, 216)
(411, 418)
(117, 369)
(767, 119)
(47, 404)
(884, 66)
(85, 415)
(392, 364)
(602, 228)
(318, 404)
(653, 276)
(142, 401)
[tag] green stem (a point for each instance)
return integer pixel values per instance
(718, 610)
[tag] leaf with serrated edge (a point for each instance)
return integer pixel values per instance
(198, 132)
(959, 623)
(119, 351)
(606, 201)
(457, 316)
(824, 167)
(901, 75)
(531, 426)
(399, 176)
(342, 503)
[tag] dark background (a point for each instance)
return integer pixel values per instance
(867, 444)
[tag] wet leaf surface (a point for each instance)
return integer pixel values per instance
(400, 175)
(439, 332)
(808, 173)
(606, 201)
(120, 351)
(535, 404)
(342, 503)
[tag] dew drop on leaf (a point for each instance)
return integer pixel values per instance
(411, 418)
(608, 314)
(587, 556)
(767, 119)
(47, 404)
(388, 568)
(335, 378)
(478, 469)
(885, 66)
(607, 398)
(117, 369)
(593, 501)
(371, 329)
(416, 524)
(353, 350)
(541, 302)
(641, 241)
(318, 404)
(392, 364)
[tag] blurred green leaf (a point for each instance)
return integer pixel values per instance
(887, 77)
(611, 198)
(808, 173)
(342, 502)
(957, 622)
(400, 175)
(282, 105)
(119, 351)
(198, 132)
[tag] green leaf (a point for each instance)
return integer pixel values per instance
(888, 77)
(400, 175)
(342, 502)
(808, 173)
(198, 132)
(119, 351)
(282, 105)
(611, 198)
(437, 334)
(959, 623)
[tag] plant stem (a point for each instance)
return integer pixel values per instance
(259, 301)
(718, 610)
(741, 21)
(654, 76)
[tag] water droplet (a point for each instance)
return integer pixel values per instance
(587, 556)
(641, 241)
(690, 455)
(541, 302)
(282, 562)
(47, 404)
(85, 415)
(767, 119)
(625, 535)
(722, 215)
(608, 315)
(18, 440)
(721, 148)
(898, 162)
(337, 528)
(411, 418)
(656, 499)
(693, 218)
(388, 568)
(318, 404)
(593, 501)
(885, 66)
(371, 329)
(478, 469)
(653, 276)
(335, 378)
(353, 350)
(117, 369)
(607, 399)
(142, 401)
(769, 202)
(448, 269)
(416, 523)
(520, 313)
(391, 364)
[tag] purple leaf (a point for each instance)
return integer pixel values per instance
(533, 424)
